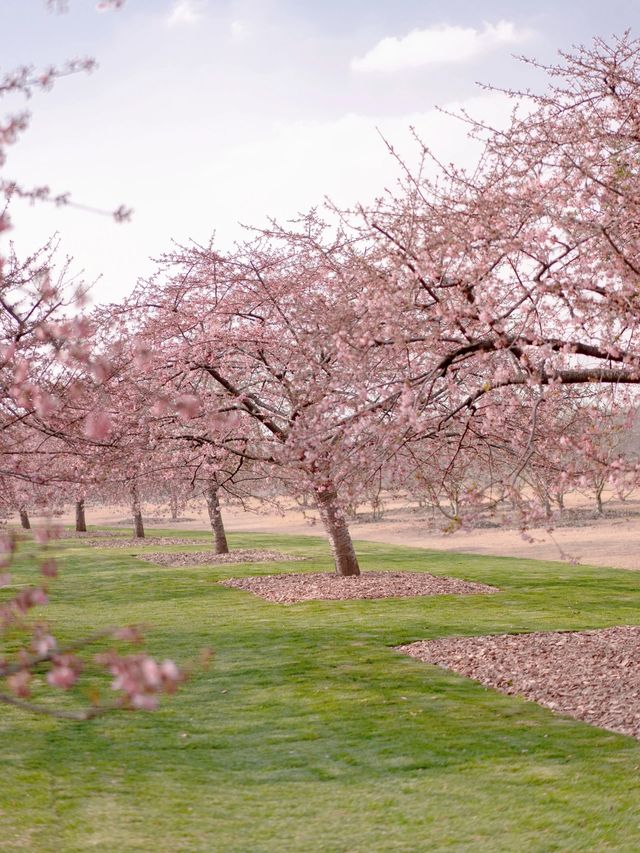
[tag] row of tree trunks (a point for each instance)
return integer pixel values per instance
(81, 522)
(344, 554)
(215, 517)
(334, 522)
(213, 506)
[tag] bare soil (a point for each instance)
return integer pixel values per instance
(293, 588)
(593, 676)
(207, 558)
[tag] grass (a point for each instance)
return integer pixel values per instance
(309, 733)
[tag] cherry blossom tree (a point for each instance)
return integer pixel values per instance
(452, 321)
(264, 335)
(507, 285)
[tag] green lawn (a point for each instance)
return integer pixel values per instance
(309, 733)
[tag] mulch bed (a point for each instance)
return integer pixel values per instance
(202, 558)
(88, 536)
(292, 588)
(593, 676)
(146, 542)
(159, 519)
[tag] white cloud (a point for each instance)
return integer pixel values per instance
(293, 165)
(184, 12)
(438, 44)
(239, 30)
(280, 169)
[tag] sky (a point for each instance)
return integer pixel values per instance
(208, 115)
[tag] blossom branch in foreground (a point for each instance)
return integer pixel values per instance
(39, 662)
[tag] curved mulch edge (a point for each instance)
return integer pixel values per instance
(292, 588)
(205, 558)
(593, 676)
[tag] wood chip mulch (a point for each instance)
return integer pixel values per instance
(63, 533)
(160, 519)
(202, 558)
(593, 676)
(88, 536)
(145, 542)
(292, 588)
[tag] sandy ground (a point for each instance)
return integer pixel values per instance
(604, 542)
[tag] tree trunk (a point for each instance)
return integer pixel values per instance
(376, 509)
(24, 519)
(215, 516)
(81, 521)
(173, 504)
(136, 512)
(599, 499)
(341, 545)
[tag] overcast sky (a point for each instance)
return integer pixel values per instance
(206, 113)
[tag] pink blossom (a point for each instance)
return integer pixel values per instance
(45, 404)
(64, 672)
(42, 535)
(19, 683)
(49, 568)
(98, 426)
(188, 406)
(43, 643)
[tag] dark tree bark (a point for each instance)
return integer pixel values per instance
(173, 504)
(332, 517)
(81, 521)
(215, 517)
(24, 519)
(136, 512)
